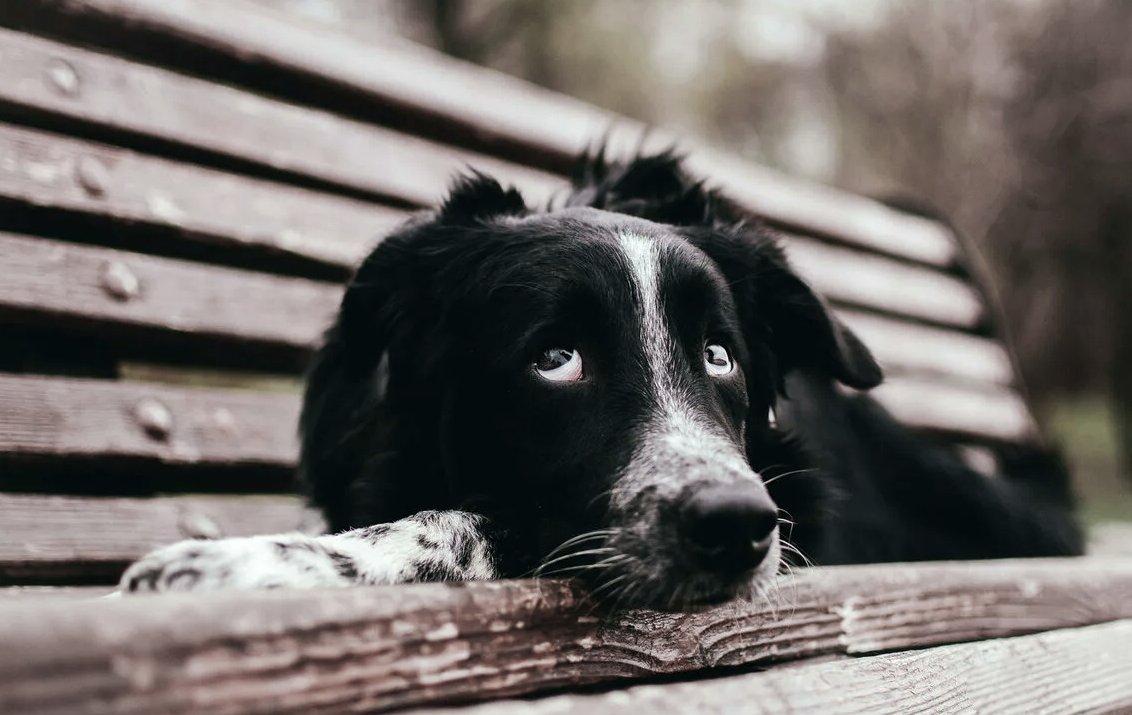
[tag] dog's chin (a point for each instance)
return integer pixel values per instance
(674, 588)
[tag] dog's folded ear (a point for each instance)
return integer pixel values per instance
(780, 314)
(804, 333)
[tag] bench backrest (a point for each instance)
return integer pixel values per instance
(185, 186)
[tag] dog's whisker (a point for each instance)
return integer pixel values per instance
(792, 473)
(574, 555)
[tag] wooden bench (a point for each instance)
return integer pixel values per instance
(183, 188)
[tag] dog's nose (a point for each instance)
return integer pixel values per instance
(729, 527)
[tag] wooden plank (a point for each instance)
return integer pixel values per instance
(68, 419)
(97, 537)
(856, 279)
(214, 207)
(906, 348)
(41, 593)
(100, 419)
(371, 649)
(73, 418)
(980, 412)
(1066, 671)
(169, 303)
(48, 281)
(121, 96)
(444, 98)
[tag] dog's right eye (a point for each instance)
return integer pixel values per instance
(560, 365)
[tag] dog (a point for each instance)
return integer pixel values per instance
(633, 388)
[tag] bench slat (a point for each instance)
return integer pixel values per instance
(49, 170)
(97, 537)
(909, 348)
(444, 98)
(981, 412)
(160, 299)
(373, 649)
(73, 418)
(195, 305)
(123, 96)
(99, 420)
(1065, 671)
(878, 283)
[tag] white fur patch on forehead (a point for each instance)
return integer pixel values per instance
(644, 259)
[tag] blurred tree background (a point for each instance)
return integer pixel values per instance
(1011, 117)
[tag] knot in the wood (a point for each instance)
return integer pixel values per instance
(63, 77)
(155, 418)
(194, 525)
(93, 176)
(119, 281)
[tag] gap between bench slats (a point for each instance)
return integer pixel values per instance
(369, 649)
(1067, 671)
(427, 92)
(86, 88)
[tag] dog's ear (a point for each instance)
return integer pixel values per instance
(779, 311)
(387, 315)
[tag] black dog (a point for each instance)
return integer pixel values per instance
(591, 391)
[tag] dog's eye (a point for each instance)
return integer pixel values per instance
(560, 365)
(717, 360)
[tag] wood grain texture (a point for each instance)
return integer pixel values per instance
(114, 94)
(96, 537)
(77, 418)
(1063, 672)
(372, 649)
(52, 171)
(445, 98)
(162, 299)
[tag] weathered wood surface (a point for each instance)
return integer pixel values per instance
(368, 649)
(171, 304)
(1069, 671)
(97, 537)
(211, 207)
(442, 98)
(78, 418)
(112, 94)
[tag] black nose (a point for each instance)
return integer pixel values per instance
(729, 527)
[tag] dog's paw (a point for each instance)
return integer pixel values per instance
(286, 561)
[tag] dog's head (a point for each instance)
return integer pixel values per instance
(594, 379)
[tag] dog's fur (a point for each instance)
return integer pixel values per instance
(439, 449)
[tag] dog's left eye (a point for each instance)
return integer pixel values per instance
(717, 360)
(560, 365)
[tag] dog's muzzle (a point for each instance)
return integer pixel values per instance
(692, 523)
